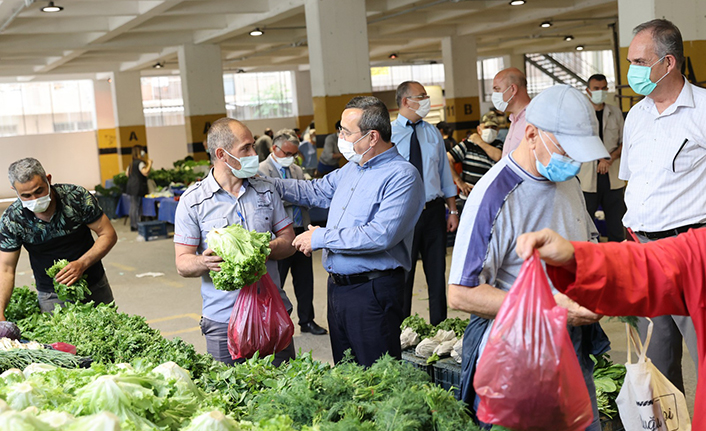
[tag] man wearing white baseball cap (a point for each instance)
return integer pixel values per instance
(534, 188)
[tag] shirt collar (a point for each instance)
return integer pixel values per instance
(274, 162)
(513, 117)
(403, 121)
(685, 99)
(211, 186)
(380, 159)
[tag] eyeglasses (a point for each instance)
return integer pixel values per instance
(286, 154)
(346, 133)
(419, 97)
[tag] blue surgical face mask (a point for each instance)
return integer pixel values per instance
(639, 78)
(248, 166)
(560, 168)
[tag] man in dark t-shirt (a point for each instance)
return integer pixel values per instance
(53, 223)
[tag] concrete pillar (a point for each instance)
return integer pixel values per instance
(688, 15)
(304, 105)
(461, 87)
(202, 88)
(337, 32)
(514, 60)
(116, 138)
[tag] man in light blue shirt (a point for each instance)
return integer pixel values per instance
(422, 144)
(228, 195)
(374, 203)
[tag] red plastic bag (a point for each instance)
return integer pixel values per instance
(259, 321)
(64, 347)
(528, 377)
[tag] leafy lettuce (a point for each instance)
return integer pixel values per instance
(244, 255)
(76, 292)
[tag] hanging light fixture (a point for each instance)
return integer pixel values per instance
(580, 48)
(545, 24)
(257, 32)
(568, 38)
(51, 7)
(158, 65)
(517, 2)
(393, 55)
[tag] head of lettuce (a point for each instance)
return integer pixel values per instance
(244, 254)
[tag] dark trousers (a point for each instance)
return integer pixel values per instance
(101, 293)
(613, 204)
(366, 318)
(135, 211)
(303, 281)
(216, 334)
(430, 241)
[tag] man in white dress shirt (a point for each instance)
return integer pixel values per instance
(664, 161)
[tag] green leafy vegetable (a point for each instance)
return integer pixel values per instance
(76, 292)
(23, 303)
(244, 255)
(453, 324)
(20, 358)
(418, 325)
(608, 378)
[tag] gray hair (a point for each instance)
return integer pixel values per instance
(285, 135)
(375, 115)
(24, 170)
(666, 37)
(220, 135)
(403, 91)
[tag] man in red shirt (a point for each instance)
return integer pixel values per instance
(667, 276)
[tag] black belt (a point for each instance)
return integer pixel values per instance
(670, 232)
(433, 203)
(363, 277)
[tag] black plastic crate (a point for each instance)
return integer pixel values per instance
(417, 362)
(447, 374)
(150, 230)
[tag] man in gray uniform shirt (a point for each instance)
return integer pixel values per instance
(228, 195)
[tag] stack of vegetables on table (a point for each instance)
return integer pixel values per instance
(138, 380)
(433, 342)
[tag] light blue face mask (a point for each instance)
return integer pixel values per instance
(248, 166)
(639, 78)
(560, 168)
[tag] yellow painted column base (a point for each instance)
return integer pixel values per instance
(115, 148)
(328, 109)
(462, 114)
(303, 122)
(196, 131)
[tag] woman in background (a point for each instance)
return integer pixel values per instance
(137, 182)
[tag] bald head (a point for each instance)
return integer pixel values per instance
(512, 83)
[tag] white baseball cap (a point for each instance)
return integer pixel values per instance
(565, 112)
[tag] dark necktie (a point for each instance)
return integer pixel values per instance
(415, 151)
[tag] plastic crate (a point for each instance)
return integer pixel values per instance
(417, 362)
(447, 374)
(151, 230)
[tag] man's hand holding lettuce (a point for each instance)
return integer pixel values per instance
(244, 254)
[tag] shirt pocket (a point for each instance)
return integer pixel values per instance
(262, 213)
(210, 224)
(682, 155)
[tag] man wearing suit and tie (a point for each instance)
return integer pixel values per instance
(280, 164)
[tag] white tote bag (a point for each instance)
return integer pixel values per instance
(648, 400)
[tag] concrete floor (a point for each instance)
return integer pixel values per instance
(172, 304)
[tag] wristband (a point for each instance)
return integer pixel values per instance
(453, 212)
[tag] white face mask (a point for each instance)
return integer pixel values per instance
(348, 150)
(498, 101)
(598, 96)
(38, 205)
(424, 107)
(285, 162)
(248, 166)
(142, 153)
(488, 135)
